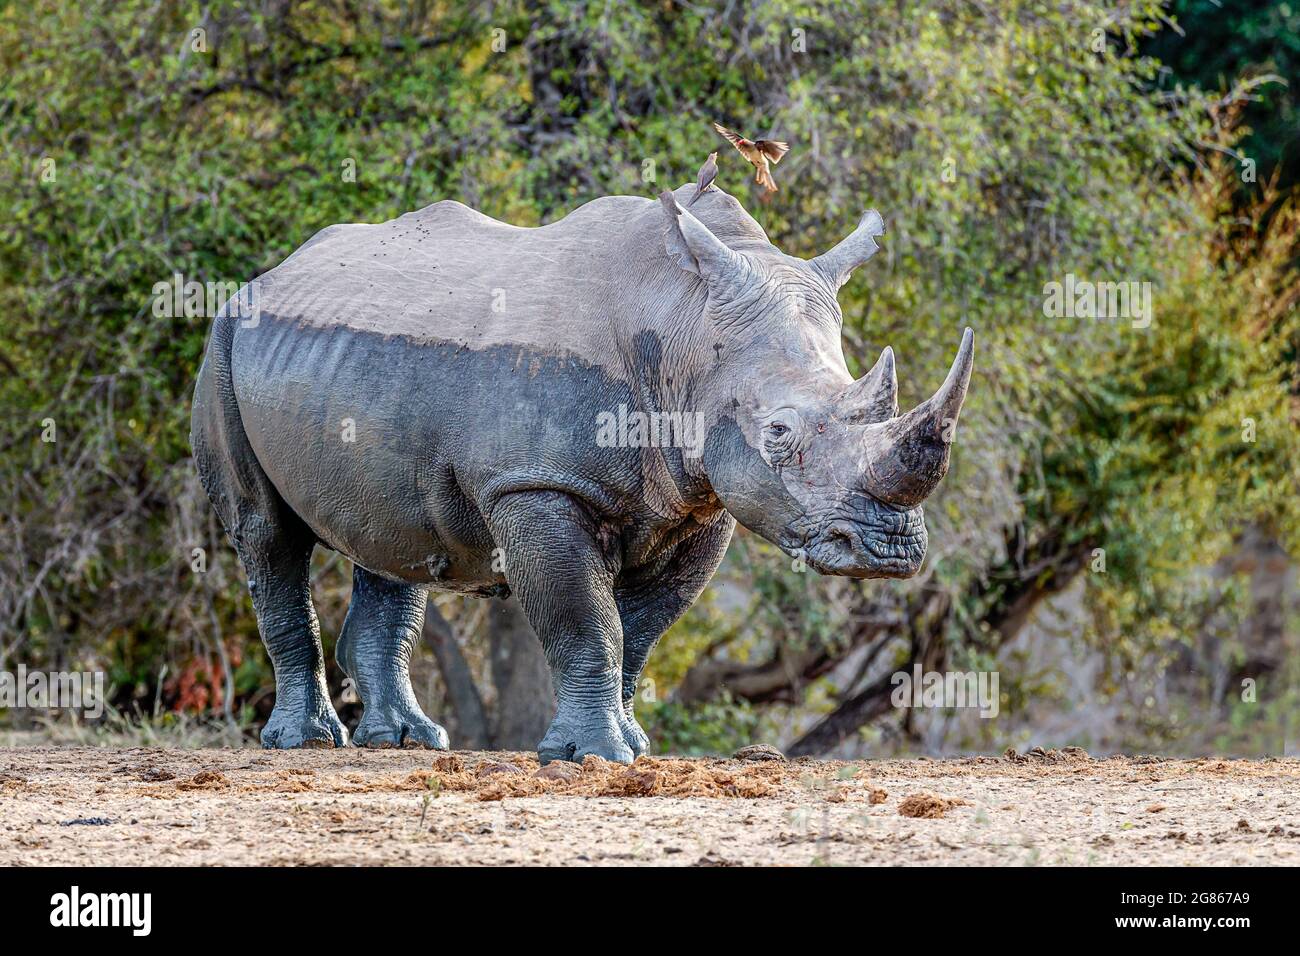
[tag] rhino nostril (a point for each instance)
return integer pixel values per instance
(840, 536)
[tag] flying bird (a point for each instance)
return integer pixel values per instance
(708, 173)
(758, 153)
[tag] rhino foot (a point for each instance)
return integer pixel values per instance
(290, 729)
(572, 738)
(633, 735)
(383, 727)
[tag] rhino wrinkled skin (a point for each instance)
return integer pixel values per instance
(424, 396)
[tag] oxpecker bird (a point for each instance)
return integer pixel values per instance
(708, 173)
(758, 153)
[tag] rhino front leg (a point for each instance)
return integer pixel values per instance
(652, 600)
(562, 569)
(379, 636)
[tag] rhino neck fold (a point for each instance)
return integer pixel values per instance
(669, 356)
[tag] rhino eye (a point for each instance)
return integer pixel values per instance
(778, 444)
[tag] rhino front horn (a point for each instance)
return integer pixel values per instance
(907, 456)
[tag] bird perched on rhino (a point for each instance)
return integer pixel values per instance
(758, 152)
(708, 173)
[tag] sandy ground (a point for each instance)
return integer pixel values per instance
(203, 807)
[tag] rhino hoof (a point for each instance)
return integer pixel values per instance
(293, 732)
(634, 736)
(379, 731)
(570, 742)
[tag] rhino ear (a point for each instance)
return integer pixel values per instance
(695, 248)
(855, 249)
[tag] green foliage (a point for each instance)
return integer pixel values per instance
(1219, 41)
(716, 727)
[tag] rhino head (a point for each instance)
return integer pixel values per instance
(798, 451)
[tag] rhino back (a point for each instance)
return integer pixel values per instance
(447, 273)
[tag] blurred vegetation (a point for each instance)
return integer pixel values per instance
(1213, 43)
(1008, 145)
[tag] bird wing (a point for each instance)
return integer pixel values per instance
(735, 139)
(706, 174)
(701, 184)
(774, 149)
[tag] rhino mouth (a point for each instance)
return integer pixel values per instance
(866, 540)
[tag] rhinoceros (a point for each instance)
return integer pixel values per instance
(577, 413)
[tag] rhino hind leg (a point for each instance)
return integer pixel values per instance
(277, 559)
(563, 576)
(379, 636)
(279, 579)
(274, 546)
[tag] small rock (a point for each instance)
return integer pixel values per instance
(559, 770)
(758, 752)
(495, 769)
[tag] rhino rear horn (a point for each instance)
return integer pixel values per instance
(875, 395)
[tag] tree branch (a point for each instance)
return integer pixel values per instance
(466, 702)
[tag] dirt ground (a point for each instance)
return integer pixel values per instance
(204, 807)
